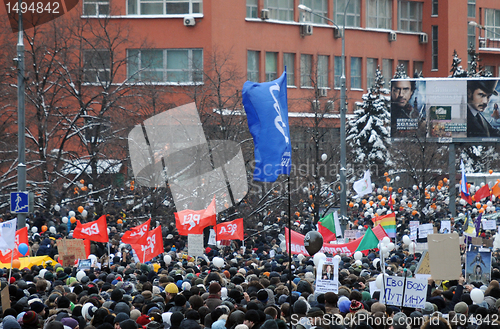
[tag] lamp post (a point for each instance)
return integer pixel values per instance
(343, 190)
(481, 27)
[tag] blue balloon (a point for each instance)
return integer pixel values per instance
(23, 249)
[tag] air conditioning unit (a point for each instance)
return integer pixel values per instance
(189, 21)
(392, 36)
(323, 92)
(306, 29)
(337, 33)
(423, 38)
(264, 14)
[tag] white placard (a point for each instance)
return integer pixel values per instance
(272, 253)
(406, 292)
(195, 245)
(373, 287)
(211, 238)
(327, 276)
(445, 227)
(424, 230)
(414, 229)
(489, 224)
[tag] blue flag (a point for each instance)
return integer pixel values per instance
(267, 114)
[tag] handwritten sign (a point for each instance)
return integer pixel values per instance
(350, 234)
(414, 229)
(489, 224)
(71, 247)
(424, 230)
(408, 292)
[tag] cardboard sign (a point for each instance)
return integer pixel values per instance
(195, 245)
(327, 276)
(477, 241)
(5, 298)
(407, 292)
(71, 247)
(423, 266)
(488, 243)
(444, 256)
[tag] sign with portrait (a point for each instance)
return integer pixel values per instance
(446, 110)
(478, 265)
(327, 276)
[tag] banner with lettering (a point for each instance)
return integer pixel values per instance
(21, 237)
(406, 292)
(152, 248)
(232, 230)
(94, 231)
(194, 221)
(138, 234)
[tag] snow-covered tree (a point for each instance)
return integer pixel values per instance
(400, 72)
(368, 133)
(456, 69)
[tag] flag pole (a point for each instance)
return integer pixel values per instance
(11, 261)
(290, 242)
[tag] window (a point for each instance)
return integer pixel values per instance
(337, 71)
(97, 66)
(164, 7)
(435, 7)
(95, 7)
(352, 14)
(252, 8)
(434, 47)
(319, 7)
(271, 66)
(323, 71)
(471, 36)
(355, 72)
(305, 70)
(289, 63)
(471, 8)
(387, 70)
(379, 14)
(253, 65)
(492, 24)
(371, 69)
(418, 67)
(410, 16)
(166, 65)
(280, 9)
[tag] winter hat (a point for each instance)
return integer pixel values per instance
(122, 307)
(143, 320)
(37, 306)
(9, 322)
(344, 306)
(461, 308)
(315, 312)
(120, 317)
(30, 317)
(428, 309)
(300, 307)
(69, 322)
(176, 318)
(166, 317)
(128, 324)
(399, 320)
(214, 288)
(269, 324)
(88, 311)
(355, 306)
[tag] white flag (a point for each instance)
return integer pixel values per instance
(8, 234)
(363, 186)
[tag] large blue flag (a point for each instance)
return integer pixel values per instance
(267, 115)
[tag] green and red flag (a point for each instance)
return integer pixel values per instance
(326, 227)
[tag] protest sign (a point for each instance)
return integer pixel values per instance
(5, 297)
(350, 234)
(407, 292)
(444, 256)
(71, 250)
(423, 266)
(489, 224)
(373, 287)
(478, 266)
(195, 245)
(445, 227)
(211, 238)
(327, 276)
(424, 230)
(84, 264)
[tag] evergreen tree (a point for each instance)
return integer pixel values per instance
(456, 69)
(400, 72)
(368, 133)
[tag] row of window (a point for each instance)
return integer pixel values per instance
(378, 12)
(315, 70)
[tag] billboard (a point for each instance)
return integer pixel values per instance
(446, 110)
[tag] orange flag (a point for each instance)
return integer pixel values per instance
(495, 190)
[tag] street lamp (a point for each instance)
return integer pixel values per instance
(343, 190)
(481, 27)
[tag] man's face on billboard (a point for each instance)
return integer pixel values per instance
(479, 99)
(401, 93)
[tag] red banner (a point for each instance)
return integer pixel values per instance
(152, 248)
(341, 248)
(232, 230)
(21, 237)
(138, 234)
(193, 222)
(94, 231)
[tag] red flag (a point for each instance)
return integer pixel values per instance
(391, 202)
(193, 222)
(232, 230)
(152, 248)
(21, 237)
(94, 231)
(138, 234)
(482, 193)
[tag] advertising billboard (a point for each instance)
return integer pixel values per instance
(446, 110)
